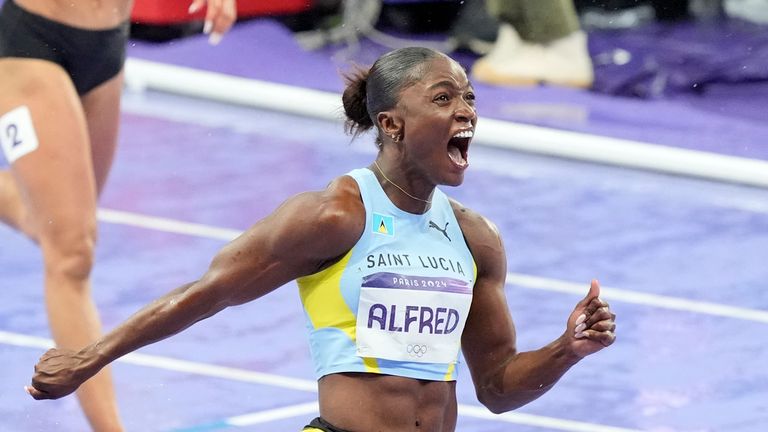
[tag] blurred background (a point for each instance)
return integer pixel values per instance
(623, 140)
(675, 73)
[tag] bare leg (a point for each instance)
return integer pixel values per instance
(12, 210)
(57, 186)
(102, 114)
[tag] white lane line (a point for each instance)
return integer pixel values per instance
(222, 372)
(274, 414)
(537, 420)
(522, 280)
(634, 297)
(176, 365)
(241, 375)
(142, 74)
(166, 225)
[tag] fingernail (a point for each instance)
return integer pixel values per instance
(579, 335)
(194, 7)
(579, 328)
(215, 38)
(581, 319)
(208, 26)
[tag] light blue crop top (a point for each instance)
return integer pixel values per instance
(397, 302)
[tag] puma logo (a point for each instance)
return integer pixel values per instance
(442, 230)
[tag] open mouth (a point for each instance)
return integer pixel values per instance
(458, 147)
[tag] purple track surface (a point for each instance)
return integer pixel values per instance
(677, 251)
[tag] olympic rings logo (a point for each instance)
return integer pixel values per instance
(417, 350)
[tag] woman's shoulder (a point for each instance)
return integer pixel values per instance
(476, 227)
(345, 189)
(339, 204)
(484, 241)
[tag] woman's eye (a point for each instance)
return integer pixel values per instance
(442, 98)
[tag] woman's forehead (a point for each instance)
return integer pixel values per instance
(444, 69)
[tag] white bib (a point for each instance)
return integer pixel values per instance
(412, 318)
(17, 134)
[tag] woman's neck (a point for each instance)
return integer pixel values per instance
(400, 195)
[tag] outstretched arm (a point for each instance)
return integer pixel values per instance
(276, 250)
(504, 378)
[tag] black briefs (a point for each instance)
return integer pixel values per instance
(90, 57)
(322, 425)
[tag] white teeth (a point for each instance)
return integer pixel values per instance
(464, 134)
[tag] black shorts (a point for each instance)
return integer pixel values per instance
(90, 57)
(322, 425)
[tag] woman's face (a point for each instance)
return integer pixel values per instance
(438, 117)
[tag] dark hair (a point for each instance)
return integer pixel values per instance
(377, 89)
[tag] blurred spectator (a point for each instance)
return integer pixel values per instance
(622, 14)
(539, 41)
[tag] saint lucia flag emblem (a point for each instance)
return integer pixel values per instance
(383, 224)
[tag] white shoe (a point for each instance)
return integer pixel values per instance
(501, 65)
(507, 42)
(514, 62)
(569, 61)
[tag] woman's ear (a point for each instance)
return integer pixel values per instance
(389, 124)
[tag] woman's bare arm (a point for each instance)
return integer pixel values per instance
(504, 378)
(305, 233)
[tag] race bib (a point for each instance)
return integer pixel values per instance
(412, 318)
(17, 134)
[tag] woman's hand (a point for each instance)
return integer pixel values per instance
(219, 17)
(591, 325)
(58, 373)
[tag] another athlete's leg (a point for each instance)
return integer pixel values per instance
(57, 185)
(12, 210)
(102, 114)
